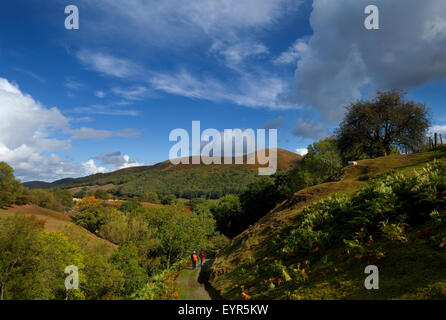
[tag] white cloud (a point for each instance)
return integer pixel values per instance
(302, 151)
(342, 56)
(90, 133)
(108, 110)
(134, 93)
(107, 64)
(251, 91)
(182, 23)
(72, 84)
(309, 129)
(117, 160)
(293, 54)
(27, 134)
(235, 53)
(439, 129)
(100, 94)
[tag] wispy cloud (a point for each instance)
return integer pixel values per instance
(251, 91)
(100, 94)
(90, 133)
(31, 74)
(134, 93)
(109, 110)
(72, 84)
(108, 64)
(294, 52)
(234, 53)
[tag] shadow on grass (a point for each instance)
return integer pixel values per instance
(203, 278)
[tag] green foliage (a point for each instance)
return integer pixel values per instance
(91, 215)
(160, 286)
(33, 261)
(168, 199)
(199, 204)
(178, 232)
(227, 213)
(65, 199)
(10, 189)
(101, 194)
(126, 260)
(264, 193)
(81, 193)
(383, 208)
(129, 206)
(322, 160)
(104, 281)
(378, 127)
(151, 197)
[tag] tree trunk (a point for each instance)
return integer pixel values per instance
(1, 292)
(168, 260)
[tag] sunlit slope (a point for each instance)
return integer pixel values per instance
(337, 278)
(57, 221)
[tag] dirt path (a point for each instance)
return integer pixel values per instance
(188, 286)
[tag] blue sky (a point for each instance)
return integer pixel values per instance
(106, 96)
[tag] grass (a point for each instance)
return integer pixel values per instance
(188, 286)
(57, 221)
(414, 263)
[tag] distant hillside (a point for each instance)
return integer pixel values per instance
(186, 181)
(267, 262)
(47, 185)
(57, 221)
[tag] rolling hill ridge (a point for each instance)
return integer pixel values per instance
(183, 180)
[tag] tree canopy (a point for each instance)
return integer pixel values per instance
(374, 128)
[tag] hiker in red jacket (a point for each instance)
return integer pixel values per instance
(202, 257)
(194, 259)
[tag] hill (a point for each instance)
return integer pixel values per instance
(184, 180)
(296, 251)
(57, 221)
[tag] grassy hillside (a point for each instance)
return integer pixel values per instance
(264, 262)
(187, 181)
(57, 221)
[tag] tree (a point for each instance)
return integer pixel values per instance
(18, 239)
(65, 198)
(44, 199)
(151, 197)
(260, 197)
(91, 214)
(32, 261)
(127, 261)
(178, 232)
(322, 160)
(168, 199)
(10, 189)
(373, 128)
(129, 206)
(101, 194)
(226, 212)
